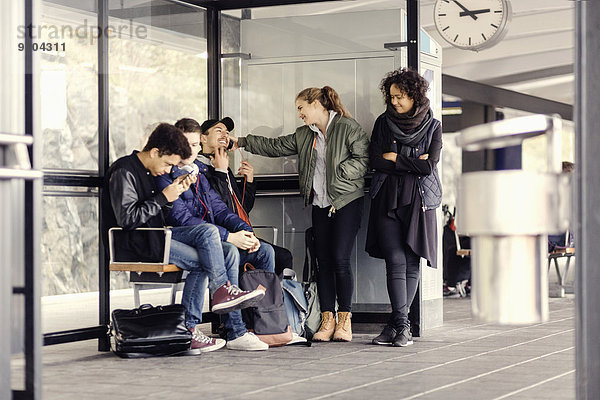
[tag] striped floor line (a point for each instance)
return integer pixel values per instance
(264, 389)
(534, 385)
(486, 373)
(440, 365)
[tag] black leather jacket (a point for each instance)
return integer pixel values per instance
(130, 200)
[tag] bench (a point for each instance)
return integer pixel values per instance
(145, 275)
(153, 275)
(463, 252)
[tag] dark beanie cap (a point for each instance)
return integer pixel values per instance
(209, 123)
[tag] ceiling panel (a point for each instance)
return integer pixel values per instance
(540, 40)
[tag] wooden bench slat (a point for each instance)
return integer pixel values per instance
(463, 252)
(144, 267)
(562, 251)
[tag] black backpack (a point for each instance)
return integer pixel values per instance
(268, 319)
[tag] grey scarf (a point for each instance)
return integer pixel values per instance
(409, 128)
(409, 139)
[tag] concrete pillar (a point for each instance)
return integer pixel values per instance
(587, 197)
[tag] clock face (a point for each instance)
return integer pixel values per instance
(471, 24)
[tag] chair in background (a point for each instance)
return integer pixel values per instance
(557, 252)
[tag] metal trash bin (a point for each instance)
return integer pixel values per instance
(508, 215)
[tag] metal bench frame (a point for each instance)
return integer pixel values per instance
(143, 280)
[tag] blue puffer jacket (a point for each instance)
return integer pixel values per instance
(200, 204)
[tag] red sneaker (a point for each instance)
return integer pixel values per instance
(229, 297)
(202, 343)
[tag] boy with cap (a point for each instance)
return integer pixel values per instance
(213, 162)
(201, 205)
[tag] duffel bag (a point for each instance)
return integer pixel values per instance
(150, 331)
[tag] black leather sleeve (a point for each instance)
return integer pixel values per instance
(131, 211)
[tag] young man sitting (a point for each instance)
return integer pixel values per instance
(130, 199)
(201, 205)
(213, 161)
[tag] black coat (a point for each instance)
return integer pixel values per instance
(400, 190)
(218, 181)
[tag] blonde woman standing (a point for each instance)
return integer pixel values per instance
(332, 151)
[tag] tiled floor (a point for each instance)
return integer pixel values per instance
(461, 360)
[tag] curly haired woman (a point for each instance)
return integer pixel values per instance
(405, 190)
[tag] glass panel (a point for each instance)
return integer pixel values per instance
(270, 101)
(231, 69)
(346, 52)
(67, 50)
(296, 219)
(369, 99)
(157, 69)
(339, 33)
(287, 56)
(69, 260)
(369, 274)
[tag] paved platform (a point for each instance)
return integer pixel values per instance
(461, 360)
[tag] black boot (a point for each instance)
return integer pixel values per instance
(404, 338)
(386, 337)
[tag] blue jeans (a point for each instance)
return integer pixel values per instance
(198, 250)
(263, 258)
(201, 262)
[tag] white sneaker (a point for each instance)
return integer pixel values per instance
(297, 339)
(247, 342)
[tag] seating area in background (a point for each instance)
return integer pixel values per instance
(457, 266)
(457, 260)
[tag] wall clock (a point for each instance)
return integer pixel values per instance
(472, 24)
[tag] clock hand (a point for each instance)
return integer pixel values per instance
(474, 12)
(466, 11)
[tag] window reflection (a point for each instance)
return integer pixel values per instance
(69, 258)
(68, 87)
(157, 74)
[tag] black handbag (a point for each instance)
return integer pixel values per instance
(150, 331)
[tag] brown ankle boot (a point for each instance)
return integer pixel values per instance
(326, 329)
(343, 328)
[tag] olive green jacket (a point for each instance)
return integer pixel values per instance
(347, 157)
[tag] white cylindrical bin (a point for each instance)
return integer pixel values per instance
(508, 214)
(509, 279)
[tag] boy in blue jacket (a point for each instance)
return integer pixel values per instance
(200, 204)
